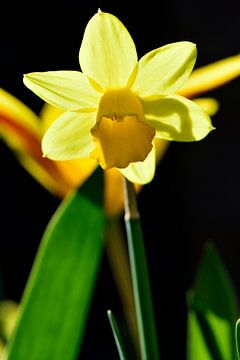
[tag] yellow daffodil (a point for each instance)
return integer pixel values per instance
(23, 131)
(117, 105)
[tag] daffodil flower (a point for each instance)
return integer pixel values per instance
(117, 105)
(23, 130)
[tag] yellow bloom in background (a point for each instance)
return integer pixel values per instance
(8, 317)
(117, 106)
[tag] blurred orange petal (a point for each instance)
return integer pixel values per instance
(211, 76)
(15, 109)
(53, 184)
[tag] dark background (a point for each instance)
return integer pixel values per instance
(195, 195)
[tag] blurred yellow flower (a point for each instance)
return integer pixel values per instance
(117, 105)
(8, 317)
(23, 131)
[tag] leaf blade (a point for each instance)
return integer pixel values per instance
(57, 297)
(215, 303)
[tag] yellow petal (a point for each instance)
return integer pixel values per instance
(68, 90)
(48, 115)
(211, 76)
(69, 137)
(141, 172)
(209, 105)
(74, 172)
(107, 53)
(164, 70)
(177, 118)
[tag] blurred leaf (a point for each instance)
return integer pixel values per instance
(117, 336)
(212, 311)
(58, 294)
(237, 335)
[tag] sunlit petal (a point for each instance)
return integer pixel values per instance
(68, 90)
(177, 118)
(69, 136)
(141, 172)
(107, 53)
(164, 70)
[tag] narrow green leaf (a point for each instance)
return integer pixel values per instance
(237, 337)
(212, 311)
(140, 277)
(117, 336)
(58, 294)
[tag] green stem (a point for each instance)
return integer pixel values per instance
(140, 277)
(118, 258)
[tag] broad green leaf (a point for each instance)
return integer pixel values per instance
(212, 311)
(117, 336)
(56, 301)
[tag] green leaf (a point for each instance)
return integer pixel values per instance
(117, 336)
(212, 311)
(237, 338)
(58, 294)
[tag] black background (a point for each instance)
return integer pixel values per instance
(195, 195)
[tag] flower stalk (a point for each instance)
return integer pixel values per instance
(140, 278)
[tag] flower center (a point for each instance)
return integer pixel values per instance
(121, 134)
